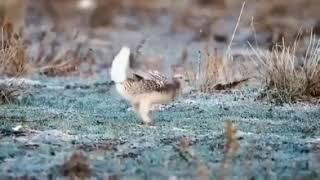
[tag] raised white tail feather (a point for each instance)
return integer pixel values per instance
(120, 65)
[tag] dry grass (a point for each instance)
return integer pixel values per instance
(213, 66)
(221, 72)
(13, 11)
(231, 148)
(11, 90)
(68, 65)
(13, 61)
(289, 77)
(76, 167)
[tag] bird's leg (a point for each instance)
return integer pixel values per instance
(144, 110)
(136, 107)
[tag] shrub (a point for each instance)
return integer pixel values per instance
(289, 77)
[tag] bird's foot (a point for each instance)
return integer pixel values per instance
(148, 125)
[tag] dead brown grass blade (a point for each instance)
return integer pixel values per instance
(231, 148)
(59, 70)
(77, 167)
(220, 73)
(70, 64)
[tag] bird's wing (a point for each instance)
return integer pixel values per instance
(151, 75)
(158, 77)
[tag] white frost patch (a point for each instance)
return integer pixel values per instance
(55, 87)
(190, 101)
(20, 81)
(241, 133)
(271, 135)
(305, 107)
(53, 135)
(49, 136)
(276, 136)
(144, 126)
(315, 140)
(160, 107)
(265, 121)
(130, 109)
(17, 128)
(178, 129)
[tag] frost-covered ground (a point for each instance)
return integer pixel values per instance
(64, 116)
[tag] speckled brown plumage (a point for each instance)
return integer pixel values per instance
(138, 86)
(143, 93)
(142, 88)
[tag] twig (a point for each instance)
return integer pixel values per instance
(235, 29)
(140, 46)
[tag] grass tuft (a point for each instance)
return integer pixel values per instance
(222, 72)
(289, 77)
(13, 61)
(213, 66)
(232, 146)
(77, 167)
(11, 90)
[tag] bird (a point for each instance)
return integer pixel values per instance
(142, 89)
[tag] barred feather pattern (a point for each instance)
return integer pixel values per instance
(155, 81)
(142, 88)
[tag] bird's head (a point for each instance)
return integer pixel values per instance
(181, 81)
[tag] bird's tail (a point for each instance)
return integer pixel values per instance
(120, 65)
